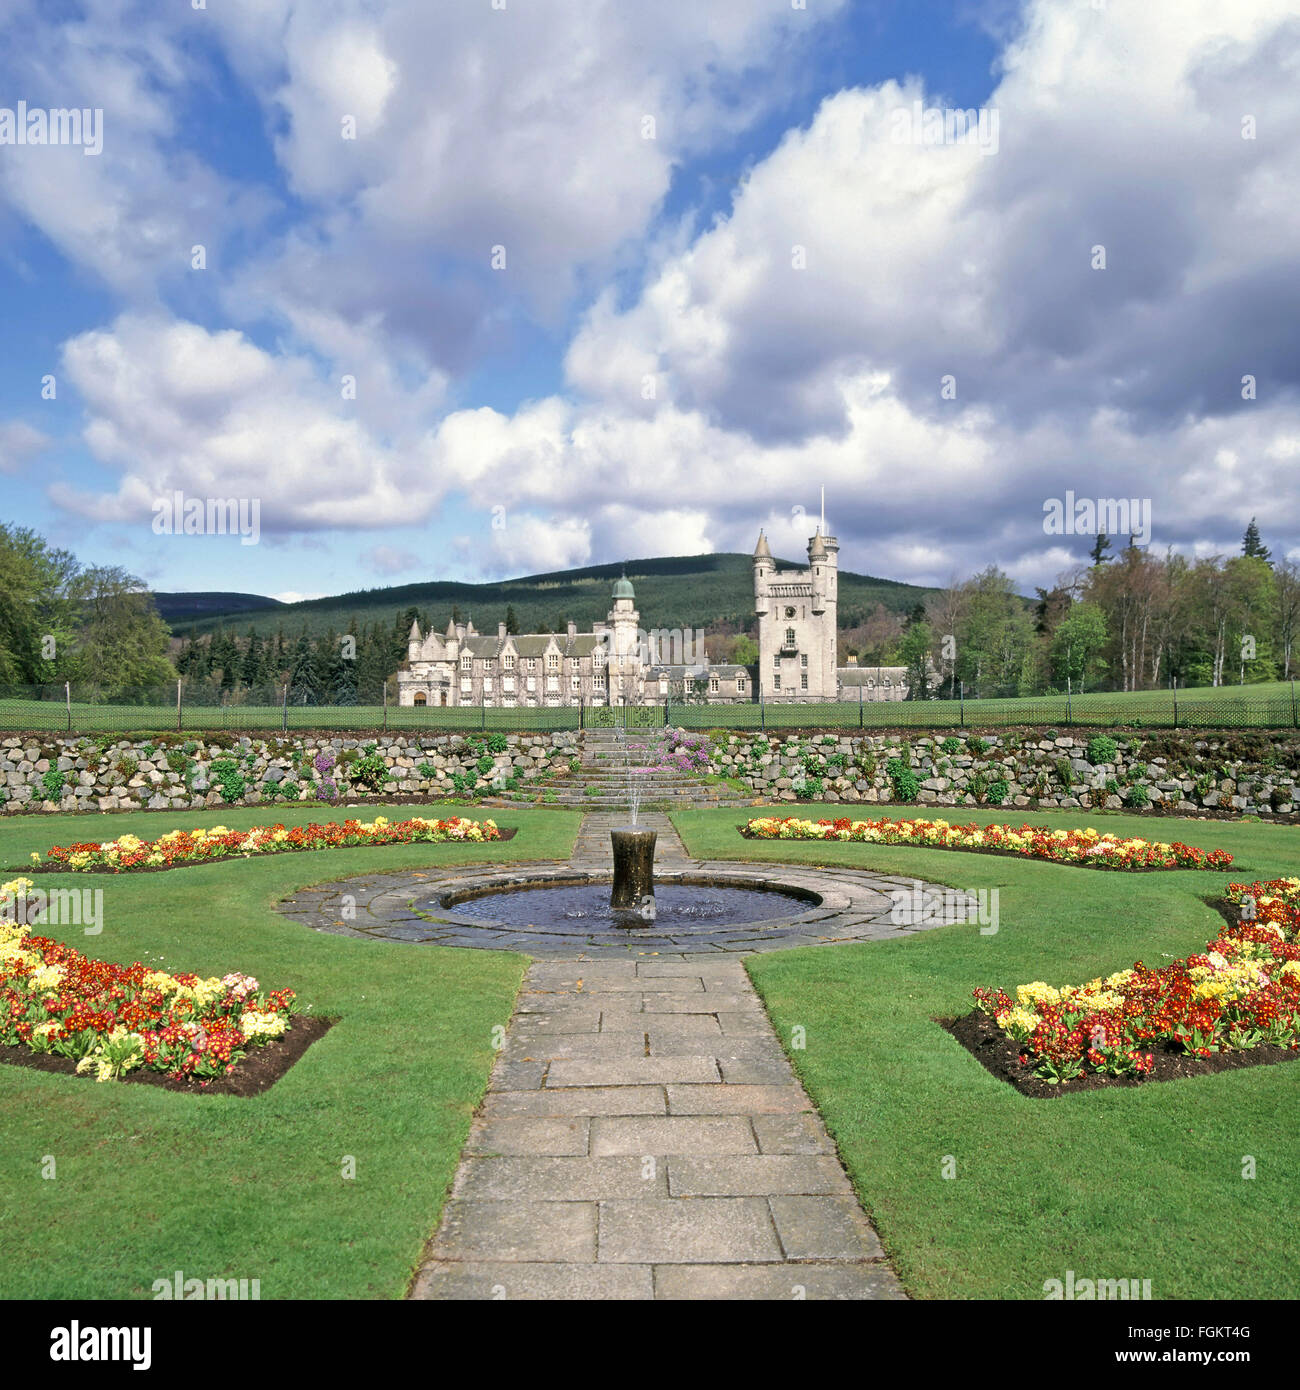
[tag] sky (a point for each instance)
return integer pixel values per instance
(478, 288)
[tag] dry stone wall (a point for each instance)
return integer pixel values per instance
(67, 773)
(1251, 774)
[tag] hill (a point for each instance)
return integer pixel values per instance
(176, 609)
(683, 591)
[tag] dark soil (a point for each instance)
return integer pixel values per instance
(260, 1069)
(1000, 1055)
(504, 833)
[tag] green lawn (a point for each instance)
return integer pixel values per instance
(149, 1182)
(1126, 1183)
(1266, 704)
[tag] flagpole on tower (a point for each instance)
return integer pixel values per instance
(823, 509)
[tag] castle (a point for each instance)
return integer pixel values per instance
(616, 663)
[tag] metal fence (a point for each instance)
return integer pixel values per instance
(65, 708)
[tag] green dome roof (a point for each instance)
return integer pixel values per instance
(623, 588)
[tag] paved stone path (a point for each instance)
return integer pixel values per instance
(644, 1136)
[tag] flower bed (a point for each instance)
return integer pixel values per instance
(1241, 993)
(1084, 847)
(112, 1019)
(179, 847)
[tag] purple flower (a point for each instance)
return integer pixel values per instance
(324, 762)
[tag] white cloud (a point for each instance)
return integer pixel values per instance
(18, 442)
(212, 414)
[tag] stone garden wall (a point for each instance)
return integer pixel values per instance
(1253, 774)
(44, 773)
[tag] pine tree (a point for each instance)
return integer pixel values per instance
(1100, 546)
(251, 664)
(512, 622)
(304, 672)
(1253, 546)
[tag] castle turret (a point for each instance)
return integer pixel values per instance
(823, 567)
(414, 642)
(764, 566)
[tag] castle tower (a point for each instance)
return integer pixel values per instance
(624, 645)
(797, 619)
(823, 562)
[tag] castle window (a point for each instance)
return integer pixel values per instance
(789, 637)
(510, 663)
(553, 661)
(776, 659)
(576, 684)
(804, 659)
(466, 664)
(532, 663)
(803, 682)
(885, 682)
(740, 685)
(713, 685)
(776, 682)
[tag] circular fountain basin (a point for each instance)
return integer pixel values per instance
(582, 908)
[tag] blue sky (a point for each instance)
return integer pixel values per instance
(651, 371)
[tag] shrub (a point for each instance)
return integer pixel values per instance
(1138, 797)
(1065, 772)
(370, 769)
(1102, 749)
(813, 789)
(126, 768)
(951, 745)
(903, 780)
(177, 761)
(427, 771)
(978, 746)
(496, 743)
(229, 778)
(52, 781)
(998, 791)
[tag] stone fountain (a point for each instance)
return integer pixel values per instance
(633, 893)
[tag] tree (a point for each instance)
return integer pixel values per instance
(121, 642)
(304, 672)
(914, 653)
(1252, 547)
(36, 604)
(1286, 600)
(1077, 644)
(512, 622)
(1100, 546)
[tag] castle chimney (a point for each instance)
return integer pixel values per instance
(501, 632)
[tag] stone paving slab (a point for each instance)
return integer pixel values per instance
(673, 1134)
(699, 1171)
(773, 1282)
(478, 1279)
(653, 1230)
